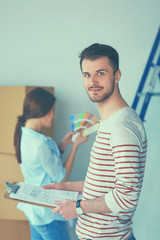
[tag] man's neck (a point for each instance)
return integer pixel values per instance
(110, 106)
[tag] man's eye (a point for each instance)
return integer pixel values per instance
(100, 73)
(86, 75)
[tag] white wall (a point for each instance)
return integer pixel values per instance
(39, 45)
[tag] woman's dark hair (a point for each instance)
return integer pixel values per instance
(97, 50)
(37, 103)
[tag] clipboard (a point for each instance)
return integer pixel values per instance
(7, 196)
(30, 194)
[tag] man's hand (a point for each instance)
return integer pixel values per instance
(67, 208)
(57, 186)
(68, 186)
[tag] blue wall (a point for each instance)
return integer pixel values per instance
(39, 45)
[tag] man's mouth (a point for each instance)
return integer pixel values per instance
(95, 89)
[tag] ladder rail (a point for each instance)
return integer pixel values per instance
(146, 71)
(150, 93)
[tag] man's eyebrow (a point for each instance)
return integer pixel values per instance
(99, 70)
(85, 72)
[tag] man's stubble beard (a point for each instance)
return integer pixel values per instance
(104, 97)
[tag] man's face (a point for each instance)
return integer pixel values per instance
(99, 79)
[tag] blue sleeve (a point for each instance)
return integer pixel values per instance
(51, 160)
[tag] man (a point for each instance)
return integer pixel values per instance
(115, 174)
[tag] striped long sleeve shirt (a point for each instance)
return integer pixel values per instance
(116, 170)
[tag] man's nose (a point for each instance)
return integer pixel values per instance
(93, 79)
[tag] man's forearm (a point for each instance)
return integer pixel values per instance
(67, 208)
(74, 186)
(96, 205)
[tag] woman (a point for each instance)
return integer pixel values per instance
(40, 161)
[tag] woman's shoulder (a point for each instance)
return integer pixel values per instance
(37, 136)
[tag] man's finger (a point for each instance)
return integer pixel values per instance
(55, 210)
(49, 186)
(58, 202)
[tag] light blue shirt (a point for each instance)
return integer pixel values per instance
(41, 165)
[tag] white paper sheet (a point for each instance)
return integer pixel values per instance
(34, 194)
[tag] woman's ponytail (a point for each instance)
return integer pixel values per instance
(17, 136)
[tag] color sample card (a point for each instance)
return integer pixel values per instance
(85, 121)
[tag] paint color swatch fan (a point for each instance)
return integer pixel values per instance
(85, 121)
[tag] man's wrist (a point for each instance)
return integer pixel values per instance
(79, 209)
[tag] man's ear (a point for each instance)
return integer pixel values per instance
(117, 76)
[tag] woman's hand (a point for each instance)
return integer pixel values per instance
(65, 141)
(79, 139)
(68, 139)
